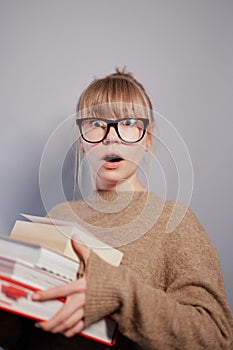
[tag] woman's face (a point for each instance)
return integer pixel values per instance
(114, 163)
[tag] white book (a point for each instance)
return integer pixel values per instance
(47, 261)
(25, 272)
(39, 257)
(55, 237)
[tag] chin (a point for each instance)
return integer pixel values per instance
(113, 180)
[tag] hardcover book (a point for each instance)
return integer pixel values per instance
(39, 255)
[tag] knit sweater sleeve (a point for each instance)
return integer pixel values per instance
(190, 313)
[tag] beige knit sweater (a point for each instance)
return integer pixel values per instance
(168, 292)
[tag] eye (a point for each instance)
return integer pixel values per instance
(130, 122)
(98, 124)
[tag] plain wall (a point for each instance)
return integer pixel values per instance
(181, 50)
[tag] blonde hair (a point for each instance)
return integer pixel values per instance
(118, 93)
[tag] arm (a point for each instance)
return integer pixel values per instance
(191, 313)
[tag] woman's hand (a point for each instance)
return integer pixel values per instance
(69, 320)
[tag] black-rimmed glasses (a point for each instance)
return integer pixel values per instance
(95, 130)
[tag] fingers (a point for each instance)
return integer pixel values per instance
(74, 330)
(61, 291)
(71, 322)
(82, 250)
(69, 318)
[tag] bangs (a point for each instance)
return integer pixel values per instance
(115, 110)
(114, 98)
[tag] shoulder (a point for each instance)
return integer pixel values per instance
(175, 218)
(182, 233)
(187, 243)
(183, 225)
(181, 219)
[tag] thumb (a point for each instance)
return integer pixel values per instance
(80, 249)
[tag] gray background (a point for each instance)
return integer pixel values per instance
(181, 50)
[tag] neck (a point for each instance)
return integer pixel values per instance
(129, 185)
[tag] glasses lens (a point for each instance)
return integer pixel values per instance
(131, 129)
(93, 130)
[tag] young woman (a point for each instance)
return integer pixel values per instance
(168, 291)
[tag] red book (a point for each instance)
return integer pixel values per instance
(25, 268)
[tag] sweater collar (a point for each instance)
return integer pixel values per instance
(112, 201)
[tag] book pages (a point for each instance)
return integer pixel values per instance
(56, 235)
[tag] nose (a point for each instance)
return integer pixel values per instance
(111, 136)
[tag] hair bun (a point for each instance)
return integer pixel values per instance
(122, 73)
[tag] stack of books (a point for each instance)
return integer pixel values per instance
(38, 255)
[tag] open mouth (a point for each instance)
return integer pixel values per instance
(113, 158)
